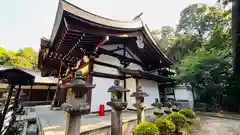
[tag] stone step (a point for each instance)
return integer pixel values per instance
(32, 129)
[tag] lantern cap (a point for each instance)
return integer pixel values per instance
(139, 93)
(78, 82)
(156, 103)
(79, 75)
(117, 88)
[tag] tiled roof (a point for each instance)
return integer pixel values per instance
(36, 73)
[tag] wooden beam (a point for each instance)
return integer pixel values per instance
(104, 51)
(125, 50)
(145, 75)
(105, 64)
(114, 50)
(105, 75)
(124, 71)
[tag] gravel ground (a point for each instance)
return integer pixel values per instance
(218, 126)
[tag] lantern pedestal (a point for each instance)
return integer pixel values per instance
(118, 105)
(158, 107)
(76, 104)
(140, 112)
(116, 116)
(74, 123)
(169, 106)
(139, 105)
(74, 115)
(175, 107)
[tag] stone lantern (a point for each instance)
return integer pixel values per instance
(175, 106)
(117, 104)
(158, 107)
(76, 103)
(139, 105)
(167, 106)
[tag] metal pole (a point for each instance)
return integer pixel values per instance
(6, 105)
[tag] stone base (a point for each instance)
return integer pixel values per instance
(158, 114)
(117, 105)
(54, 122)
(167, 112)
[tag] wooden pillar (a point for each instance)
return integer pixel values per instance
(57, 92)
(124, 81)
(90, 80)
(163, 92)
(16, 99)
(48, 93)
(136, 80)
(236, 43)
(30, 93)
(173, 90)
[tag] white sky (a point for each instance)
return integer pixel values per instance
(24, 22)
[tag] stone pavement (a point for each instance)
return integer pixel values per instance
(53, 122)
(30, 114)
(219, 126)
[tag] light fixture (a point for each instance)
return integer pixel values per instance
(139, 42)
(85, 58)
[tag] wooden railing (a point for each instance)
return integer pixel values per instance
(33, 103)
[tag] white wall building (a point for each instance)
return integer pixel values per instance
(182, 93)
(100, 94)
(121, 46)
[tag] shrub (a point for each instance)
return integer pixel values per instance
(178, 119)
(165, 126)
(146, 128)
(188, 113)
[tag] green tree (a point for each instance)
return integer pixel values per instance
(163, 37)
(195, 26)
(209, 68)
(23, 58)
(5, 58)
(201, 47)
